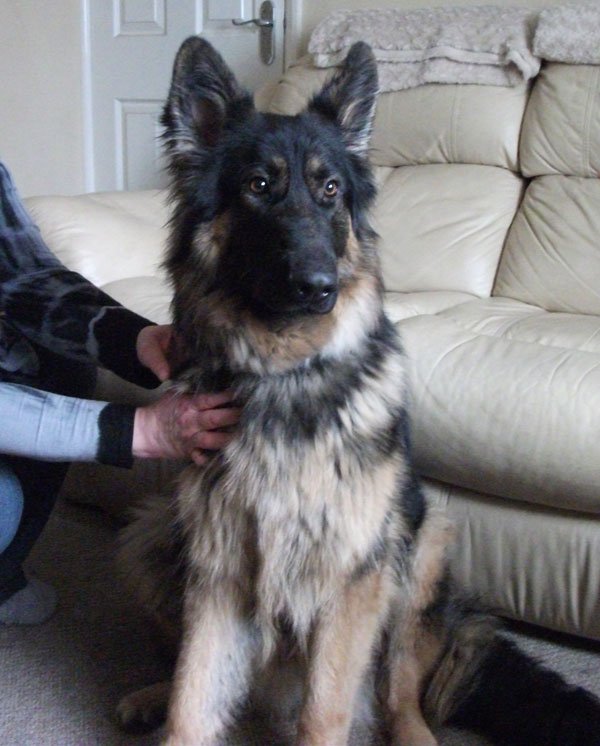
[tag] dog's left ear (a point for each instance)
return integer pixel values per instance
(349, 97)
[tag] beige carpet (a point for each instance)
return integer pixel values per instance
(60, 682)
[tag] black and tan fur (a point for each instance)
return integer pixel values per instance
(307, 540)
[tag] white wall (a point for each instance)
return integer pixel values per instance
(41, 125)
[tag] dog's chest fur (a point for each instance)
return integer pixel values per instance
(307, 493)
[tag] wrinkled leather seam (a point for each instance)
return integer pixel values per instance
(465, 328)
(586, 145)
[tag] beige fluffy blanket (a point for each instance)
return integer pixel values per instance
(569, 33)
(483, 44)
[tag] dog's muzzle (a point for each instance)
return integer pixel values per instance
(314, 291)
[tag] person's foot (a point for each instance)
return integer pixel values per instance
(31, 605)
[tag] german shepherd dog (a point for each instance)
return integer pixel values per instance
(307, 540)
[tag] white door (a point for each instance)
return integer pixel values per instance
(129, 47)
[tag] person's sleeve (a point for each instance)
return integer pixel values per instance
(62, 311)
(50, 427)
(57, 308)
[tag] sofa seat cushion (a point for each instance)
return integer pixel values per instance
(532, 562)
(506, 399)
(522, 322)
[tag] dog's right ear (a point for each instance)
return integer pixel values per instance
(348, 98)
(203, 95)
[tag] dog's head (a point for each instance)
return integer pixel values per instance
(270, 210)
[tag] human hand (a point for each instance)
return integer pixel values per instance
(152, 347)
(183, 426)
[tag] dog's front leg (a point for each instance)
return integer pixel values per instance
(213, 668)
(340, 651)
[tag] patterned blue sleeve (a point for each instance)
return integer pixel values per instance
(44, 302)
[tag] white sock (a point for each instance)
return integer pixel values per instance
(31, 605)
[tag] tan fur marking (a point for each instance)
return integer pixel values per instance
(314, 173)
(353, 253)
(413, 649)
(313, 165)
(340, 651)
(300, 341)
(211, 238)
(407, 672)
(355, 313)
(260, 347)
(429, 564)
(281, 165)
(212, 671)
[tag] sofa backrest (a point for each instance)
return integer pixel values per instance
(106, 236)
(552, 254)
(446, 160)
(116, 240)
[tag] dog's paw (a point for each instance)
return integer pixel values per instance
(145, 709)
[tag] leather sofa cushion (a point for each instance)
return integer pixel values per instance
(514, 320)
(551, 257)
(298, 84)
(400, 306)
(449, 124)
(532, 562)
(428, 124)
(105, 236)
(442, 227)
(116, 240)
(561, 129)
(505, 401)
(148, 295)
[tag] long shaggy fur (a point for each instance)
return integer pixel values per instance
(306, 545)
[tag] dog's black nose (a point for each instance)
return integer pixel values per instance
(316, 291)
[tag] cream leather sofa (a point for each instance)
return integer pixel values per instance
(489, 217)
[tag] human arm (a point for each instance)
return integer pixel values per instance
(57, 308)
(50, 427)
(60, 310)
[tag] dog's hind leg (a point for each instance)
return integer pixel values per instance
(213, 669)
(409, 669)
(415, 646)
(340, 651)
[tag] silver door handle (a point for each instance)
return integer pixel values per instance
(256, 21)
(266, 25)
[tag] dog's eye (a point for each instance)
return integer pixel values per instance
(258, 185)
(331, 188)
